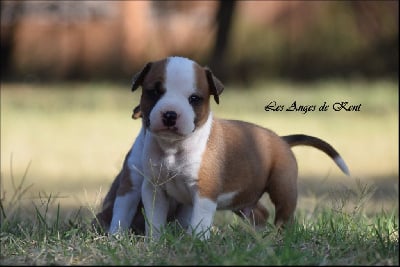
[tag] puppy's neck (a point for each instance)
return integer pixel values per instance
(192, 142)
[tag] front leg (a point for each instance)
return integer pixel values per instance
(156, 207)
(202, 216)
(129, 188)
(124, 210)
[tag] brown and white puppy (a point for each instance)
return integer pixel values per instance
(187, 163)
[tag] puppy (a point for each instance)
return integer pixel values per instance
(185, 164)
(258, 216)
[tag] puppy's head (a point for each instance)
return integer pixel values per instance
(175, 96)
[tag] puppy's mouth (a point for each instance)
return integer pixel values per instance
(168, 132)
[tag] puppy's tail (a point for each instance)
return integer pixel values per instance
(306, 140)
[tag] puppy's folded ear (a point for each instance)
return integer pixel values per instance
(216, 87)
(137, 113)
(138, 78)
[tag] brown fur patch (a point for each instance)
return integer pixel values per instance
(136, 113)
(260, 162)
(203, 91)
(125, 183)
(154, 77)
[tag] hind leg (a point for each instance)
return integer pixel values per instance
(257, 215)
(282, 189)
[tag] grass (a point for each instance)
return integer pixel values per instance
(61, 146)
(327, 236)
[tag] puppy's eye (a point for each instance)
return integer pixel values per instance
(156, 91)
(195, 99)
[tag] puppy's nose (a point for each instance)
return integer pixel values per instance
(169, 118)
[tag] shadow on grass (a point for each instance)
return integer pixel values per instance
(386, 187)
(378, 194)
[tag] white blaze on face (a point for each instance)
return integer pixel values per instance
(180, 84)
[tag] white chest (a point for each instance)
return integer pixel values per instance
(173, 166)
(174, 171)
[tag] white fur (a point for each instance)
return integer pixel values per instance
(156, 207)
(341, 164)
(202, 217)
(124, 209)
(135, 158)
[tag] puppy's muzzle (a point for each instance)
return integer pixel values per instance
(169, 118)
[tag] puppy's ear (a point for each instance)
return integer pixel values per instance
(137, 113)
(138, 78)
(216, 87)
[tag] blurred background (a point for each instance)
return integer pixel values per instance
(66, 104)
(240, 40)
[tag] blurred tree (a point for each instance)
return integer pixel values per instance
(270, 39)
(9, 19)
(224, 24)
(382, 56)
